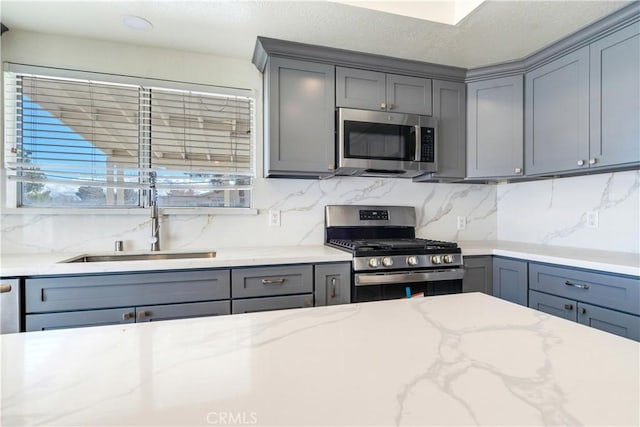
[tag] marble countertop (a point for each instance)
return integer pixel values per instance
(609, 261)
(43, 264)
(12, 265)
(465, 359)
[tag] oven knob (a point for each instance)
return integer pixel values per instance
(374, 262)
(436, 259)
(412, 260)
(448, 259)
(387, 262)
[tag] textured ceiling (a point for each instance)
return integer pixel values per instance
(495, 32)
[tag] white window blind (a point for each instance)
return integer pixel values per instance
(83, 142)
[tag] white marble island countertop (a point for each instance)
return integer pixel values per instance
(466, 359)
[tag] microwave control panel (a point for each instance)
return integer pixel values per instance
(427, 145)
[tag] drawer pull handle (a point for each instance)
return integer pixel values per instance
(127, 316)
(576, 285)
(5, 288)
(568, 306)
(583, 310)
(144, 314)
(333, 287)
(273, 281)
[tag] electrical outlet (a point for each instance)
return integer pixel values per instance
(462, 223)
(274, 218)
(592, 219)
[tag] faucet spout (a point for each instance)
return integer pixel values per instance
(155, 222)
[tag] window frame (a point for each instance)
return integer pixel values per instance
(13, 189)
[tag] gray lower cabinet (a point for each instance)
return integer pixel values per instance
(607, 290)
(510, 280)
(478, 274)
(556, 306)
(603, 301)
(332, 283)
(254, 305)
(154, 313)
(371, 90)
(92, 300)
(625, 325)
(299, 118)
(78, 319)
(450, 107)
(615, 99)
(271, 288)
(494, 128)
(64, 293)
(271, 281)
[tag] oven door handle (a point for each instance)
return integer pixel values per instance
(364, 279)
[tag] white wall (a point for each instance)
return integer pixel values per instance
(554, 211)
(301, 201)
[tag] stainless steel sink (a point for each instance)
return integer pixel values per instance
(140, 257)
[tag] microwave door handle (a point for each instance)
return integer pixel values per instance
(418, 140)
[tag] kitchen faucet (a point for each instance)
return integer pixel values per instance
(153, 204)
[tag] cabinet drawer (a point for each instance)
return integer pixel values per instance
(122, 290)
(77, 319)
(154, 313)
(625, 325)
(267, 281)
(555, 306)
(619, 293)
(254, 305)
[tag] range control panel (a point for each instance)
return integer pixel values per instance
(374, 215)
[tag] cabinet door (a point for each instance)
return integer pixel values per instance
(478, 274)
(78, 319)
(118, 290)
(557, 115)
(510, 280)
(615, 98)
(182, 311)
(407, 94)
(266, 281)
(553, 305)
(332, 283)
(299, 118)
(625, 325)
(360, 89)
(494, 128)
(254, 305)
(449, 107)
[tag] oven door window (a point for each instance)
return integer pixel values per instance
(379, 141)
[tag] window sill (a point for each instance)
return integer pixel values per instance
(125, 211)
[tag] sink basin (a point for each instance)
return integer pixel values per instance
(140, 257)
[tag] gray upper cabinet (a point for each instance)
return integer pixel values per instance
(449, 107)
(299, 118)
(615, 98)
(494, 128)
(557, 115)
(372, 90)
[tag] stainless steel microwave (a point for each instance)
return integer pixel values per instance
(376, 143)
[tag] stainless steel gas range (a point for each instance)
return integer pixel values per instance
(389, 262)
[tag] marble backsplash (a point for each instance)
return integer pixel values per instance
(554, 211)
(301, 203)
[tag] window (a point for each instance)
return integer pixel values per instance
(86, 141)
